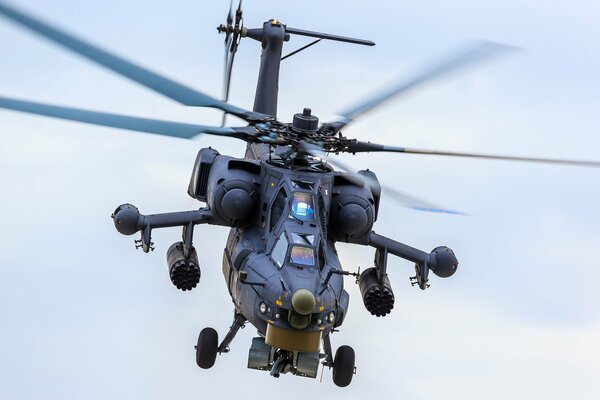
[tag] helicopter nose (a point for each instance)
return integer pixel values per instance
(303, 301)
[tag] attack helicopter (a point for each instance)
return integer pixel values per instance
(286, 203)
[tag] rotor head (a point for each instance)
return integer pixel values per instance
(305, 122)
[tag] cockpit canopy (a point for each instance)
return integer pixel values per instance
(297, 223)
(299, 250)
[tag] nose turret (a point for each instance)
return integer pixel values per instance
(303, 301)
(303, 304)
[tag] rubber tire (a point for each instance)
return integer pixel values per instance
(343, 366)
(206, 350)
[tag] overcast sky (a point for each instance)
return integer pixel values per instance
(85, 315)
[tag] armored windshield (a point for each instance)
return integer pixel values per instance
(303, 207)
(302, 255)
(277, 208)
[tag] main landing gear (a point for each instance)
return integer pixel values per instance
(208, 343)
(207, 347)
(342, 364)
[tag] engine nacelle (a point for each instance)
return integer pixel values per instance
(378, 299)
(183, 271)
(233, 190)
(353, 208)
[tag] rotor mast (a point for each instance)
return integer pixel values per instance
(272, 35)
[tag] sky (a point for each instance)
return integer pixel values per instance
(85, 315)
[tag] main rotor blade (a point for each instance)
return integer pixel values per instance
(403, 199)
(365, 147)
(469, 56)
(166, 128)
(145, 77)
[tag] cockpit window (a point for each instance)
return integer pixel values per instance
(277, 208)
(303, 207)
(279, 251)
(302, 238)
(302, 185)
(321, 256)
(302, 255)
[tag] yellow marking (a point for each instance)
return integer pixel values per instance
(272, 184)
(270, 321)
(275, 22)
(279, 302)
(321, 308)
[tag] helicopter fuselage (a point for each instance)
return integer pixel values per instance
(287, 209)
(287, 253)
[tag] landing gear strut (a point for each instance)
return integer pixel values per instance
(238, 322)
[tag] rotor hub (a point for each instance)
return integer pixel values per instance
(305, 122)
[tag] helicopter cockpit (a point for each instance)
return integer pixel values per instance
(296, 236)
(300, 238)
